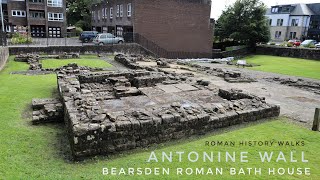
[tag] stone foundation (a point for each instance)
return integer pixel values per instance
(107, 113)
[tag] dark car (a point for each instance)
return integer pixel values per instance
(88, 36)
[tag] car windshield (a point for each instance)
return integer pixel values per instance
(307, 42)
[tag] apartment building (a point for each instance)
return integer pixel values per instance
(294, 21)
(173, 25)
(40, 18)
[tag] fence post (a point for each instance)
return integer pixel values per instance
(316, 122)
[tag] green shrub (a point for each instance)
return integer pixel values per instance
(79, 30)
(312, 46)
(289, 45)
(273, 43)
(18, 38)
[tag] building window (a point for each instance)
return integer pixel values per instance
(37, 14)
(121, 10)
(111, 13)
(270, 22)
(106, 13)
(93, 15)
(129, 10)
(279, 22)
(103, 14)
(54, 32)
(55, 16)
(293, 35)
(18, 13)
(118, 10)
(36, 1)
(278, 34)
(55, 3)
(295, 22)
(98, 15)
(274, 10)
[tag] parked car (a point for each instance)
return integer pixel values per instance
(107, 38)
(317, 45)
(295, 42)
(308, 43)
(87, 36)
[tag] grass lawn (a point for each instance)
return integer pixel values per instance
(285, 65)
(85, 60)
(39, 152)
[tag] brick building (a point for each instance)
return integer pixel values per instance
(41, 18)
(172, 28)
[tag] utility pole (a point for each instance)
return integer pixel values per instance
(2, 23)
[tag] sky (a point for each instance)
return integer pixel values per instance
(219, 5)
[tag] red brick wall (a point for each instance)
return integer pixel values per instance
(174, 25)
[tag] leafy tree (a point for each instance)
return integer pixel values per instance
(245, 22)
(78, 13)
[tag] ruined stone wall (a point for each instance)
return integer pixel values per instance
(305, 53)
(4, 55)
(131, 48)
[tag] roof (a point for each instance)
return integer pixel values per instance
(298, 10)
(302, 10)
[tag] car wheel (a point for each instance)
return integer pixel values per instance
(86, 40)
(120, 42)
(101, 44)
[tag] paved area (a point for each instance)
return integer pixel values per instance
(296, 104)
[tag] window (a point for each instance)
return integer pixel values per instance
(103, 14)
(98, 15)
(93, 15)
(106, 12)
(293, 35)
(274, 10)
(54, 31)
(37, 14)
(18, 13)
(279, 22)
(55, 16)
(121, 10)
(295, 22)
(270, 22)
(111, 13)
(129, 10)
(118, 10)
(278, 34)
(55, 3)
(36, 1)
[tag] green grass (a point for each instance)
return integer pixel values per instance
(39, 152)
(87, 60)
(285, 65)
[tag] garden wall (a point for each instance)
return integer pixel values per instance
(305, 53)
(4, 55)
(239, 53)
(131, 48)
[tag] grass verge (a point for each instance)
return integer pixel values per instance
(285, 65)
(40, 152)
(85, 60)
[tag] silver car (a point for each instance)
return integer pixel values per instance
(107, 38)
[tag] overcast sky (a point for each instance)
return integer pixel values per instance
(219, 5)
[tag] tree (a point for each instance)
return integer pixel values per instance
(245, 22)
(78, 13)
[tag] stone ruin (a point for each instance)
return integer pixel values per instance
(34, 59)
(110, 112)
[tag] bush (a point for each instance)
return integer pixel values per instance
(273, 43)
(289, 45)
(18, 38)
(79, 30)
(312, 46)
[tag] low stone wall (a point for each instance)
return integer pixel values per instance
(132, 48)
(4, 55)
(305, 53)
(235, 53)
